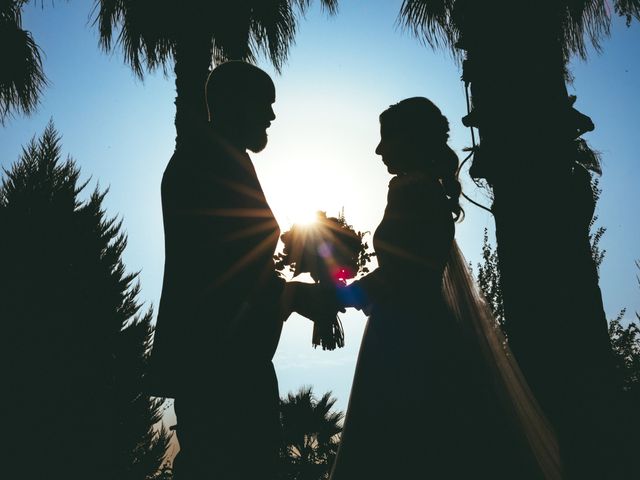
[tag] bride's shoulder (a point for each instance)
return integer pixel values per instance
(407, 180)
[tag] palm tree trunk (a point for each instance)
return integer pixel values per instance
(192, 63)
(542, 206)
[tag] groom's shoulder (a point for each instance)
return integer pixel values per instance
(196, 162)
(181, 178)
(197, 175)
(177, 169)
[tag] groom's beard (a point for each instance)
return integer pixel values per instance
(257, 140)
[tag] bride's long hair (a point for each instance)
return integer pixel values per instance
(421, 123)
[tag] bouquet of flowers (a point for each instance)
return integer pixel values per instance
(332, 252)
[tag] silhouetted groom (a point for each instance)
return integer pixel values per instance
(221, 310)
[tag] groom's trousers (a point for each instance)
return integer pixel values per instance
(229, 428)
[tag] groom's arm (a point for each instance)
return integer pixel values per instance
(307, 299)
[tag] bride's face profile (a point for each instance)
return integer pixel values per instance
(396, 152)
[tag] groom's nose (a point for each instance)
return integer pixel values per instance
(379, 149)
(272, 114)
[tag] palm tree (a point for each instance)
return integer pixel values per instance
(21, 77)
(311, 435)
(515, 62)
(153, 33)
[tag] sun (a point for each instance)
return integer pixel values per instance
(294, 210)
(298, 202)
(304, 217)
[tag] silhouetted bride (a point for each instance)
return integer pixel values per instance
(436, 393)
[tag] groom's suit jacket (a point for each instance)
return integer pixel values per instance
(219, 314)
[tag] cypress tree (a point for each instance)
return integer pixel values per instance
(75, 346)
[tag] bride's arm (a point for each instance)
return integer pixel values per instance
(362, 293)
(415, 243)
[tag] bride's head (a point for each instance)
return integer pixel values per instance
(413, 138)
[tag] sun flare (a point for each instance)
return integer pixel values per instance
(297, 211)
(305, 217)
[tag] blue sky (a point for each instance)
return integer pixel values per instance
(342, 72)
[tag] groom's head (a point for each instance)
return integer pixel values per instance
(239, 98)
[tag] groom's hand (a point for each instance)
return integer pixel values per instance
(297, 297)
(311, 300)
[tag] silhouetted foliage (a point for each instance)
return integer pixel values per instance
(311, 435)
(150, 32)
(21, 76)
(76, 349)
(439, 22)
(625, 339)
(142, 444)
(626, 345)
(596, 233)
(488, 278)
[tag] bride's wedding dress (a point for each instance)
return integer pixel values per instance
(436, 393)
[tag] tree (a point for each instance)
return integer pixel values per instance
(21, 77)
(626, 345)
(153, 33)
(141, 439)
(311, 435)
(515, 63)
(76, 349)
(488, 271)
(488, 278)
(625, 339)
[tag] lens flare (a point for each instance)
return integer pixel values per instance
(305, 217)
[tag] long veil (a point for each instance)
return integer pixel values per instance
(472, 312)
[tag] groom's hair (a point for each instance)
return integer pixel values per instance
(235, 83)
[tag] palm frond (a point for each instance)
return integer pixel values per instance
(22, 77)
(145, 29)
(576, 23)
(583, 21)
(330, 6)
(588, 22)
(148, 30)
(430, 21)
(273, 29)
(310, 432)
(629, 9)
